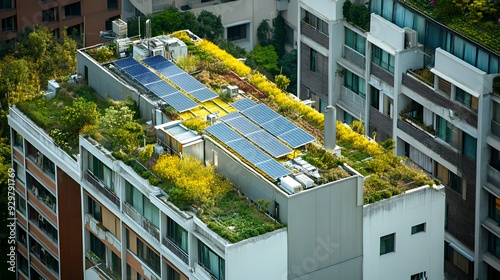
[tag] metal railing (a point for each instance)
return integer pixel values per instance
(355, 57)
(98, 186)
(141, 220)
(176, 250)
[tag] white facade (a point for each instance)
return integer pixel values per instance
(422, 251)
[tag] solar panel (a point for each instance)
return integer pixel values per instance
(243, 104)
(273, 168)
(242, 125)
(180, 102)
(277, 125)
(126, 62)
(154, 60)
(269, 143)
(186, 82)
(161, 88)
(247, 150)
(136, 70)
(203, 94)
(168, 69)
(147, 78)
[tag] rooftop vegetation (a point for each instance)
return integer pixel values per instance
(475, 19)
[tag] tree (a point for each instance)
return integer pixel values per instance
(279, 35)
(210, 26)
(264, 33)
(288, 65)
(282, 81)
(266, 57)
(80, 114)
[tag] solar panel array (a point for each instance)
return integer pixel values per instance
(182, 79)
(278, 125)
(260, 137)
(155, 84)
(247, 150)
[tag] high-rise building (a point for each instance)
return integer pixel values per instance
(408, 77)
(83, 19)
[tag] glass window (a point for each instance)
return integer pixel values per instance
(418, 228)
(387, 243)
(7, 4)
(112, 4)
(22, 264)
(463, 97)
(354, 83)
(455, 182)
(469, 146)
(148, 256)
(18, 140)
(355, 41)
(9, 24)
(97, 247)
(494, 208)
(20, 174)
(383, 59)
(237, 32)
(494, 245)
(374, 100)
(495, 158)
(313, 60)
(72, 10)
(50, 15)
(177, 234)
(101, 171)
(94, 209)
(20, 204)
(214, 264)
(142, 204)
(443, 129)
(172, 274)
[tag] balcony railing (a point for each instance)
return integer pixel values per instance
(105, 272)
(353, 56)
(313, 33)
(98, 186)
(176, 250)
(493, 176)
(141, 220)
(353, 101)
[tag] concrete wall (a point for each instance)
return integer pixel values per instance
(260, 257)
(415, 253)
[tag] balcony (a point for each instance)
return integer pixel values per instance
(314, 34)
(493, 176)
(141, 220)
(100, 271)
(98, 186)
(422, 89)
(382, 74)
(176, 250)
(382, 122)
(354, 57)
(101, 232)
(352, 101)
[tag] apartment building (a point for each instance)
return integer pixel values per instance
(446, 123)
(121, 226)
(239, 18)
(81, 18)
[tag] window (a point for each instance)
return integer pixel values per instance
(116, 265)
(496, 112)
(42, 194)
(313, 60)
(443, 129)
(469, 146)
(455, 182)
(142, 204)
(49, 167)
(41, 222)
(9, 24)
(387, 244)
(72, 10)
(148, 256)
(494, 159)
(212, 263)
(354, 83)
(348, 118)
(419, 276)
(20, 174)
(43, 255)
(375, 96)
(172, 274)
(97, 247)
(237, 32)
(18, 139)
(50, 15)
(494, 208)
(112, 4)
(177, 234)
(465, 98)
(101, 171)
(20, 204)
(383, 59)
(418, 228)
(21, 235)
(7, 4)
(317, 23)
(22, 264)
(94, 209)
(355, 41)
(494, 245)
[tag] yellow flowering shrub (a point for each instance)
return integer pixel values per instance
(232, 63)
(194, 182)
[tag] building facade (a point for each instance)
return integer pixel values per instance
(83, 19)
(446, 123)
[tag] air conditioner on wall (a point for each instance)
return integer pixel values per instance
(411, 38)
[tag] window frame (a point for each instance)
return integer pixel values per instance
(388, 244)
(418, 228)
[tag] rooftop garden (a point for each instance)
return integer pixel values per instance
(475, 19)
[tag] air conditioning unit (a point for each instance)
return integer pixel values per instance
(304, 180)
(289, 185)
(211, 118)
(411, 38)
(158, 149)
